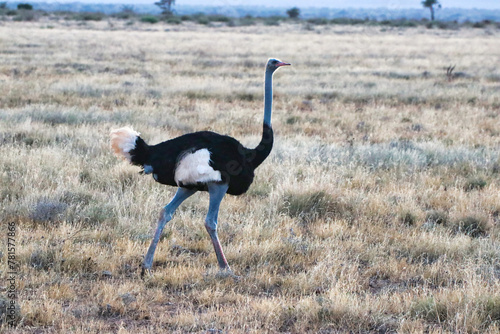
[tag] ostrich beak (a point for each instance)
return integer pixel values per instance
(282, 64)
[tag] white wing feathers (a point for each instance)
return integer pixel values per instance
(195, 168)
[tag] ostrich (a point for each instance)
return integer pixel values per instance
(200, 161)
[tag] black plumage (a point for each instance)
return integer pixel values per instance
(235, 162)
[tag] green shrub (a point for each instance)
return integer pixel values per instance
(448, 25)
(273, 20)
(219, 18)
(480, 24)
(318, 21)
(25, 15)
(348, 21)
(442, 25)
(173, 19)
(399, 23)
(89, 16)
(203, 20)
(24, 6)
(150, 19)
(248, 20)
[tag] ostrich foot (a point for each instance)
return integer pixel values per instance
(145, 270)
(227, 272)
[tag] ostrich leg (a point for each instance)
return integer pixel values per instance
(165, 216)
(217, 192)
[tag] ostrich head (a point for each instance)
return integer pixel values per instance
(274, 64)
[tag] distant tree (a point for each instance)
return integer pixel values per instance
(165, 6)
(293, 13)
(25, 6)
(431, 4)
(3, 5)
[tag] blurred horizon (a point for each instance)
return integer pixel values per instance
(390, 4)
(457, 10)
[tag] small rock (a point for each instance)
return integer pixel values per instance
(417, 127)
(77, 313)
(128, 298)
(106, 274)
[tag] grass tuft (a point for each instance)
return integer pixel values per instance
(437, 217)
(48, 211)
(312, 206)
(89, 16)
(492, 309)
(474, 227)
(430, 310)
(408, 218)
(475, 183)
(42, 260)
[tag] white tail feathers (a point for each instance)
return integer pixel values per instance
(123, 141)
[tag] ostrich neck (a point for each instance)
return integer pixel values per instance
(268, 98)
(260, 153)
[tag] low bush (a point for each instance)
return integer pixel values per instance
(474, 227)
(173, 20)
(436, 217)
(475, 183)
(273, 20)
(318, 21)
(150, 19)
(47, 210)
(89, 16)
(24, 6)
(314, 205)
(245, 21)
(348, 21)
(430, 310)
(408, 218)
(25, 15)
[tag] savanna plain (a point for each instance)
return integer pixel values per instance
(378, 209)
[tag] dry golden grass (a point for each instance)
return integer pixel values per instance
(377, 211)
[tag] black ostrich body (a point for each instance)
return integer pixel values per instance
(235, 162)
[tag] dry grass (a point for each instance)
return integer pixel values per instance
(377, 211)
